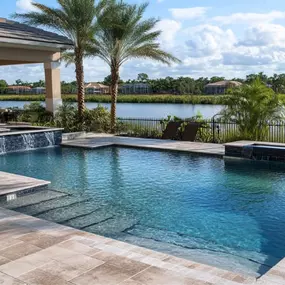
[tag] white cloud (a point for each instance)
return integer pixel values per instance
(25, 6)
(188, 13)
(264, 35)
(169, 30)
(250, 18)
(207, 40)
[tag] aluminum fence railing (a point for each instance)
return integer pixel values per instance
(212, 130)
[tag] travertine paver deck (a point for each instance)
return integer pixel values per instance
(101, 140)
(11, 183)
(38, 252)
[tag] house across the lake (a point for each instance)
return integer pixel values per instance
(135, 88)
(15, 89)
(96, 88)
(220, 87)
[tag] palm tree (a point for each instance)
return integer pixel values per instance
(122, 35)
(75, 20)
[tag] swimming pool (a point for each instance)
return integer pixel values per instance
(228, 214)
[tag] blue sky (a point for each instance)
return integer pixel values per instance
(211, 37)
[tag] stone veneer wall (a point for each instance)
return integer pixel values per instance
(255, 152)
(18, 142)
(233, 151)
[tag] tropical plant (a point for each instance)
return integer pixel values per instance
(252, 107)
(66, 117)
(75, 20)
(34, 112)
(123, 34)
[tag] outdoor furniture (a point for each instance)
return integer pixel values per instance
(171, 131)
(7, 115)
(190, 132)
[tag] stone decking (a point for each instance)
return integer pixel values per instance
(103, 140)
(38, 252)
(12, 183)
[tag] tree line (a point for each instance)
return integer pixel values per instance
(169, 85)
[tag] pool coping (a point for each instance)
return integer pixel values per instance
(18, 184)
(36, 130)
(103, 140)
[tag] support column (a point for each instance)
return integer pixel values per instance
(53, 86)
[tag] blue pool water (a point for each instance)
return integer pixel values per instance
(228, 214)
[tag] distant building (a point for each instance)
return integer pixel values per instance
(96, 88)
(221, 87)
(135, 88)
(14, 89)
(39, 90)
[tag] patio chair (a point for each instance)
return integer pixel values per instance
(171, 132)
(190, 132)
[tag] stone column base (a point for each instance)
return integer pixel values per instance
(52, 104)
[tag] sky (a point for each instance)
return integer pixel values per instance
(229, 38)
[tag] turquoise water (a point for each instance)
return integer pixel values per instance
(228, 214)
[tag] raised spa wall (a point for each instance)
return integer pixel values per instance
(29, 139)
(261, 151)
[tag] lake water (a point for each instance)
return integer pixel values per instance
(141, 110)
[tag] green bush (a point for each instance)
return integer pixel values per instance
(95, 120)
(35, 113)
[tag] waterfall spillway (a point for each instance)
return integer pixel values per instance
(29, 141)
(2, 145)
(50, 138)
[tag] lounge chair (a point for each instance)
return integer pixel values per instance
(171, 132)
(190, 132)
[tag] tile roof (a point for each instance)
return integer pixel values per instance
(95, 85)
(224, 83)
(18, 31)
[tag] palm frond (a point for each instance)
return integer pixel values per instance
(122, 34)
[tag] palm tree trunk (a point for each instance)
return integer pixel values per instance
(114, 95)
(80, 82)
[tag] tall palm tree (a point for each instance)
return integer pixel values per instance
(123, 34)
(76, 20)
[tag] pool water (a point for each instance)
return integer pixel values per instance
(227, 214)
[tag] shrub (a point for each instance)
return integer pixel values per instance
(35, 113)
(97, 120)
(251, 107)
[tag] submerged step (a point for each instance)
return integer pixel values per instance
(68, 211)
(112, 226)
(92, 218)
(32, 198)
(40, 208)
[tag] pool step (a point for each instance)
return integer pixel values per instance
(32, 198)
(69, 211)
(112, 226)
(84, 221)
(45, 206)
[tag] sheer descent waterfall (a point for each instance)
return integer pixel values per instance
(2, 145)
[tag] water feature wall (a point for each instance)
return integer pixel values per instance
(256, 151)
(29, 140)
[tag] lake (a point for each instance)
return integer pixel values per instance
(143, 110)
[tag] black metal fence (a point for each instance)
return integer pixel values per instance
(211, 130)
